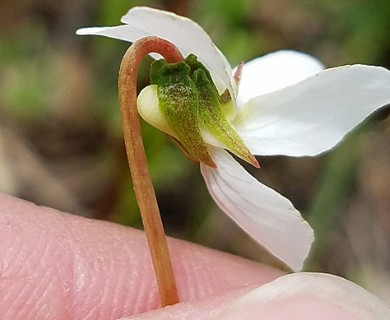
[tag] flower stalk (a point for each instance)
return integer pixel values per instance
(143, 187)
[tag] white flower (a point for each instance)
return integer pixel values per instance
(286, 105)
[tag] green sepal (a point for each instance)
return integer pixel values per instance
(190, 103)
(195, 65)
(179, 103)
(213, 119)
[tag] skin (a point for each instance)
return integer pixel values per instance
(55, 265)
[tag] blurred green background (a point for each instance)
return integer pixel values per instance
(61, 144)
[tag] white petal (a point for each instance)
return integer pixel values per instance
(308, 296)
(148, 109)
(275, 71)
(264, 214)
(312, 116)
(187, 35)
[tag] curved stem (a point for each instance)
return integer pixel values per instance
(142, 183)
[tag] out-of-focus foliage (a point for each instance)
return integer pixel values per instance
(61, 144)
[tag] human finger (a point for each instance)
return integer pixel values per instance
(61, 266)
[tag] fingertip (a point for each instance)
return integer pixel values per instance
(86, 267)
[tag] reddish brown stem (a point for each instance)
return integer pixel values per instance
(143, 187)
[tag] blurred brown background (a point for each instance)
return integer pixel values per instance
(61, 144)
